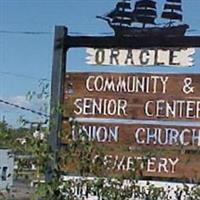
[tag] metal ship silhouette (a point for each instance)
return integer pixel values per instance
(140, 21)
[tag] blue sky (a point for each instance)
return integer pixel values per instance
(27, 58)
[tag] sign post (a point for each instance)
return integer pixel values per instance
(57, 87)
(142, 107)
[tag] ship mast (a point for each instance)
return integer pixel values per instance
(145, 12)
(121, 15)
(172, 11)
(124, 7)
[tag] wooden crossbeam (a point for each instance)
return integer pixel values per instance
(131, 42)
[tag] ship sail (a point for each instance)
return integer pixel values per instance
(127, 21)
(172, 10)
(145, 12)
(122, 14)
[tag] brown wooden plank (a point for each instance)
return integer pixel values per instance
(153, 159)
(152, 108)
(135, 137)
(186, 167)
(129, 164)
(148, 96)
(75, 84)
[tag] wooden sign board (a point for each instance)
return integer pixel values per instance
(170, 152)
(141, 57)
(133, 96)
(137, 137)
(162, 151)
(158, 97)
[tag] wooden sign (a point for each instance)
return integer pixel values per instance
(171, 165)
(171, 151)
(133, 96)
(137, 137)
(141, 57)
(156, 97)
(143, 165)
(162, 151)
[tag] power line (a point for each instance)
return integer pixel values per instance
(71, 32)
(23, 108)
(26, 32)
(22, 76)
(49, 33)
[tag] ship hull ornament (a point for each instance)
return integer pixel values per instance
(141, 20)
